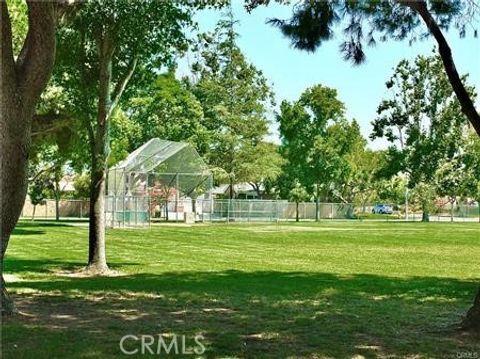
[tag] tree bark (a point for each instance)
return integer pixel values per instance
(468, 107)
(97, 262)
(297, 217)
(21, 83)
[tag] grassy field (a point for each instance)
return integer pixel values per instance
(332, 290)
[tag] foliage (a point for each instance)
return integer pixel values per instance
(261, 164)
(135, 34)
(365, 23)
(235, 97)
(423, 195)
(19, 19)
(81, 183)
(317, 142)
(39, 190)
(298, 193)
(422, 120)
(471, 171)
(167, 109)
(391, 190)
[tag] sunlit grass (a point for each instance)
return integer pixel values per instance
(334, 289)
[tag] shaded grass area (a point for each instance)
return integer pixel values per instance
(329, 290)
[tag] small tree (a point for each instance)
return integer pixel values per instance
(38, 192)
(298, 194)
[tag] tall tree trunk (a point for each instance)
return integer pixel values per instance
(317, 204)
(97, 261)
(297, 216)
(33, 212)
(22, 80)
(468, 108)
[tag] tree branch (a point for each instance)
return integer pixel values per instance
(49, 122)
(122, 84)
(6, 60)
(468, 108)
(36, 59)
(83, 90)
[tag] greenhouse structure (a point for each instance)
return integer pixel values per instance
(161, 180)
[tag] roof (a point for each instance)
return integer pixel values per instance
(173, 157)
(237, 188)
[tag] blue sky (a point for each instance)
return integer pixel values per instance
(361, 87)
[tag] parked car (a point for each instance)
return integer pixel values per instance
(382, 209)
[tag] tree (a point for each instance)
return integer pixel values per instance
(471, 171)
(472, 188)
(422, 121)
(235, 96)
(390, 189)
(450, 181)
(23, 77)
(313, 22)
(55, 140)
(38, 191)
(47, 168)
(317, 142)
(298, 194)
(165, 108)
(424, 194)
(261, 164)
(102, 46)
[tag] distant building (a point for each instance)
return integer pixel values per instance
(240, 191)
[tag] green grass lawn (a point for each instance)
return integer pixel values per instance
(332, 290)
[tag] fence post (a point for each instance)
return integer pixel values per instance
(228, 210)
(136, 211)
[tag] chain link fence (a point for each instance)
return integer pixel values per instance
(132, 211)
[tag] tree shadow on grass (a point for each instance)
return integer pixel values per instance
(27, 232)
(19, 266)
(47, 223)
(263, 314)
